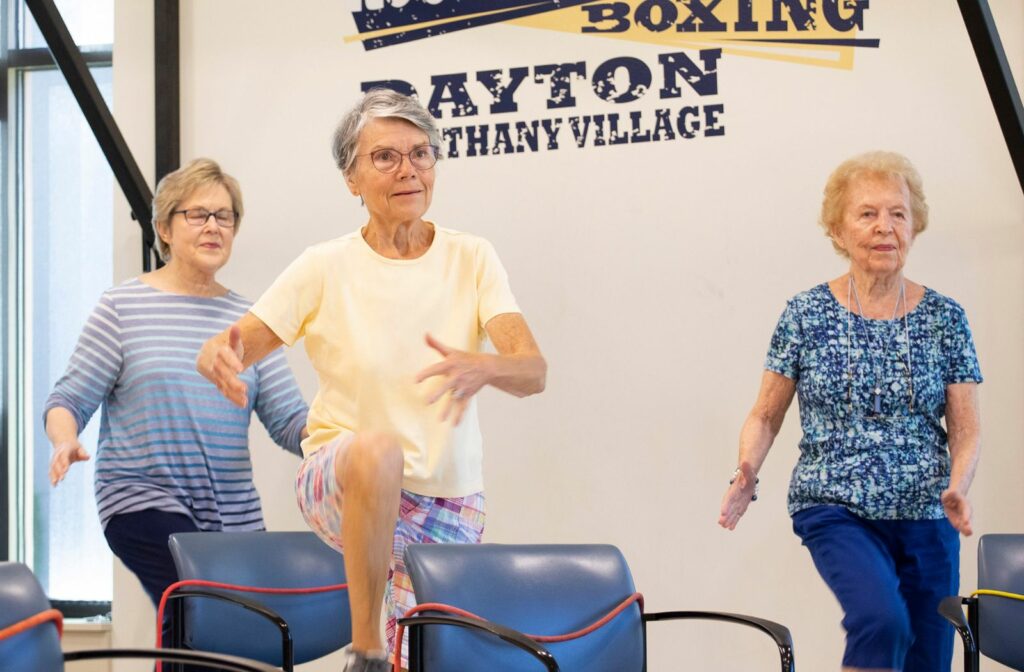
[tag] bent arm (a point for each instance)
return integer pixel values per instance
(756, 438)
(518, 368)
(765, 419)
(963, 424)
(230, 352)
(279, 402)
(258, 340)
(91, 374)
(61, 426)
(62, 430)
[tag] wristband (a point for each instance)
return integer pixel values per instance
(757, 482)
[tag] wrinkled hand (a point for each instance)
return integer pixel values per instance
(65, 454)
(221, 363)
(464, 374)
(958, 510)
(737, 497)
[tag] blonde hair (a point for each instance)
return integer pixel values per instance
(175, 187)
(870, 164)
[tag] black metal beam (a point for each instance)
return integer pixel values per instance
(97, 114)
(988, 49)
(167, 86)
(167, 90)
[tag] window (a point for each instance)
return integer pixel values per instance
(57, 213)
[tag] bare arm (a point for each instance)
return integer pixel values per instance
(963, 422)
(518, 368)
(756, 438)
(232, 351)
(62, 430)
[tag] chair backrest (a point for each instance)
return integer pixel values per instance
(36, 649)
(536, 589)
(320, 623)
(1001, 620)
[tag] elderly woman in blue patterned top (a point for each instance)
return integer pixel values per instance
(880, 489)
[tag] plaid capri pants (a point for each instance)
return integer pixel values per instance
(421, 520)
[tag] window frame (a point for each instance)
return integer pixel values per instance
(15, 473)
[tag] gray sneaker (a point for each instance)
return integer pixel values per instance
(358, 662)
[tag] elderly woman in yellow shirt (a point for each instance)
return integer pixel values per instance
(394, 316)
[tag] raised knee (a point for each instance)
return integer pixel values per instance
(375, 455)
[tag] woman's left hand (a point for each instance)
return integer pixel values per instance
(464, 374)
(958, 510)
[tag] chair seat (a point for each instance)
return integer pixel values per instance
(577, 604)
(320, 623)
(537, 589)
(21, 597)
(1001, 620)
(30, 642)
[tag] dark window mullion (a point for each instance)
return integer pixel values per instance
(16, 333)
(40, 57)
(6, 23)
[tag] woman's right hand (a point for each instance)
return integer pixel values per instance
(220, 362)
(65, 454)
(737, 497)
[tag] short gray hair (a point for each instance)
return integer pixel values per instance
(377, 104)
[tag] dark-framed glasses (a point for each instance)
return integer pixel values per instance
(197, 216)
(387, 160)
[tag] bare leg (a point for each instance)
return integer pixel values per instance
(371, 480)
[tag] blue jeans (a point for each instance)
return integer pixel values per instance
(889, 577)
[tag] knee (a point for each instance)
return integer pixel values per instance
(373, 457)
(886, 629)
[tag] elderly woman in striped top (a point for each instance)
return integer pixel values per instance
(173, 454)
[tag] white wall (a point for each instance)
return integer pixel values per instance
(652, 275)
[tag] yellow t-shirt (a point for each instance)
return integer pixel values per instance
(364, 318)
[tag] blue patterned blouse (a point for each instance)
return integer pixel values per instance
(885, 459)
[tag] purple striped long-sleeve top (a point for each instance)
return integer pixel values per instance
(168, 440)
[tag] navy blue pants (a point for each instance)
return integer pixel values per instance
(139, 539)
(889, 576)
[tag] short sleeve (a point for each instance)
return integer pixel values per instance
(293, 298)
(961, 360)
(493, 290)
(784, 349)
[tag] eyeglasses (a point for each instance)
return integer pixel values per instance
(198, 216)
(387, 160)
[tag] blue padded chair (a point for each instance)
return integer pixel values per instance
(280, 629)
(30, 634)
(539, 589)
(994, 624)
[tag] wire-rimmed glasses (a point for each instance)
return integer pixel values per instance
(387, 160)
